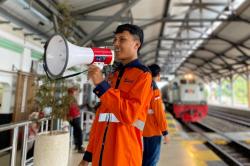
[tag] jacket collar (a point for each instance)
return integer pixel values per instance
(134, 63)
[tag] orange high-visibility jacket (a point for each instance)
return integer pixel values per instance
(120, 119)
(156, 123)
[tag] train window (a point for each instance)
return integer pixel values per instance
(183, 81)
(175, 85)
(191, 81)
(201, 87)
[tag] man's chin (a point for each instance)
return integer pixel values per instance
(118, 58)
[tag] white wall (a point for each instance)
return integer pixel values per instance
(25, 62)
(8, 59)
(8, 96)
(10, 63)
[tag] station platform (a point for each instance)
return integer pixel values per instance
(182, 150)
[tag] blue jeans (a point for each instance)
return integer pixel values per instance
(152, 148)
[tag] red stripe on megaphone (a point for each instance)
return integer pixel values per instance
(102, 55)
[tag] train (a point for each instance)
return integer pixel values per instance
(185, 98)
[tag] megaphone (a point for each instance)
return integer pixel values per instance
(60, 55)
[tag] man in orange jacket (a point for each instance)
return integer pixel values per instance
(156, 124)
(116, 134)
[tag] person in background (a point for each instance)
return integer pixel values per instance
(116, 134)
(156, 124)
(34, 128)
(75, 121)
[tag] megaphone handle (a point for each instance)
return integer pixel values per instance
(99, 64)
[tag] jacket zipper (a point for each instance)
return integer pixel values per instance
(121, 72)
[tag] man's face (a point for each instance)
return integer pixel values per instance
(126, 46)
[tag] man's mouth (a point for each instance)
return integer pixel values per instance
(117, 49)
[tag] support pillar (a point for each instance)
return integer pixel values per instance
(232, 89)
(248, 88)
(219, 91)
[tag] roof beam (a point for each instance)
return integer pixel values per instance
(229, 67)
(107, 22)
(49, 6)
(209, 20)
(203, 4)
(183, 23)
(153, 40)
(97, 7)
(232, 43)
(187, 39)
(99, 18)
(165, 14)
(220, 56)
(34, 30)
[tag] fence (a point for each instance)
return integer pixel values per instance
(86, 121)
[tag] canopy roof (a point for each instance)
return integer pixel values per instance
(210, 38)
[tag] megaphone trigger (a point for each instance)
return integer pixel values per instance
(100, 65)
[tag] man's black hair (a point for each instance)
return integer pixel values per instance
(155, 69)
(133, 29)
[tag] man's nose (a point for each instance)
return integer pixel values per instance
(115, 43)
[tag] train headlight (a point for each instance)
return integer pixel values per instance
(189, 76)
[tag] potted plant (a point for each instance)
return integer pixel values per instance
(52, 148)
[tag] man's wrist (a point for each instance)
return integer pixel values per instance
(101, 88)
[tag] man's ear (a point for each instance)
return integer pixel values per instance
(137, 44)
(158, 77)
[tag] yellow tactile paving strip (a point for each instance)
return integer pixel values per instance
(200, 157)
(220, 141)
(173, 127)
(247, 141)
(183, 151)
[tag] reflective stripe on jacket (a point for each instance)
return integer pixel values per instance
(120, 118)
(156, 123)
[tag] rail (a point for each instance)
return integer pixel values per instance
(86, 122)
(244, 112)
(233, 153)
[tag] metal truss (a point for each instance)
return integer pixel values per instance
(83, 11)
(222, 55)
(50, 6)
(107, 22)
(165, 13)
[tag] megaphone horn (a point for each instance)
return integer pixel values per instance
(60, 55)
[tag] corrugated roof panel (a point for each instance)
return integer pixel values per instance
(217, 45)
(236, 31)
(233, 53)
(204, 54)
(196, 61)
(152, 32)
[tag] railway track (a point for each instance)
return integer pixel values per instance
(233, 152)
(244, 121)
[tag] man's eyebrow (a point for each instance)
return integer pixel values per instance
(120, 36)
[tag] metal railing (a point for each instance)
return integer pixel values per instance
(15, 128)
(86, 122)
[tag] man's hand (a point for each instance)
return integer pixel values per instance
(83, 163)
(95, 74)
(165, 139)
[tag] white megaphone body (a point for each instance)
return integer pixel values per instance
(60, 55)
